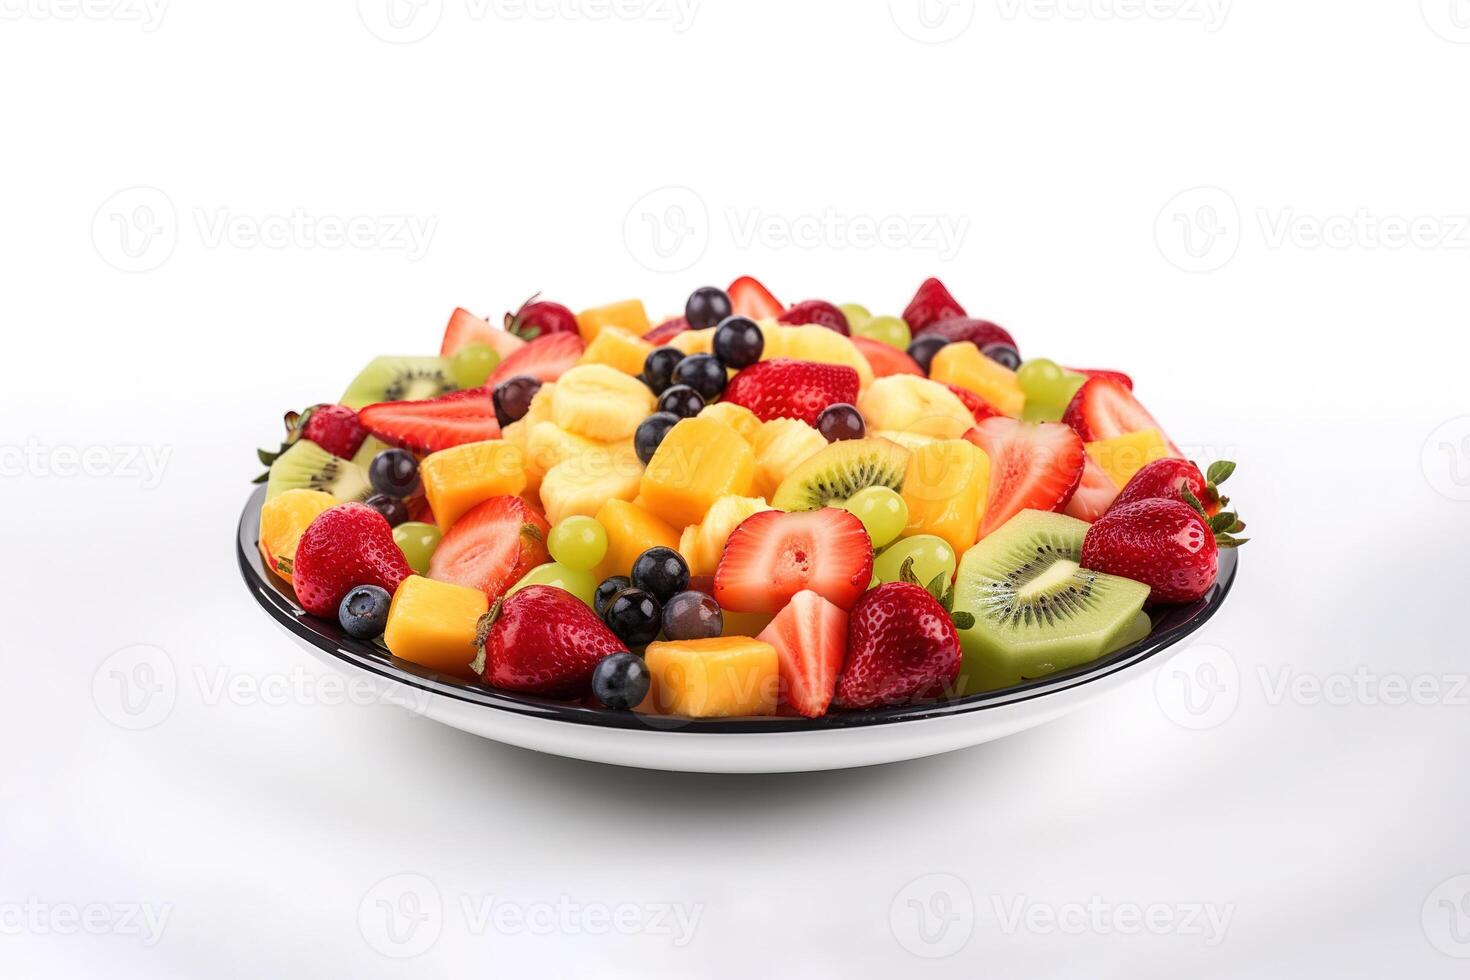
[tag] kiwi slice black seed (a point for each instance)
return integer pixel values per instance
(1036, 609)
(307, 466)
(399, 379)
(841, 470)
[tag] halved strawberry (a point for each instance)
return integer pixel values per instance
(492, 546)
(931, 303)
(783, 388)
(465, 328)
(1033, 466)
(1104, 409)
(546, 358)
(1117, 376)
(666, 331)
(749, 298)
(772, 555)
(435, 423)
(810, 637)
(979, 407)
(1095, 493)
(885, 359)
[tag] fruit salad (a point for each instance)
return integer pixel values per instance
(751, 508)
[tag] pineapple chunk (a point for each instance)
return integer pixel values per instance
(737, 417)
(618, 349)
(964, 366)
(601, 403)
(1124, 456)
(694, 341)
(780, 447)
(702, 544)
(581, 484)
(906, 403)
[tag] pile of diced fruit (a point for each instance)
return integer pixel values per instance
(750, 509)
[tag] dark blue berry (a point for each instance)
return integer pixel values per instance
(682, 401)
(840, 421)
(738, 342)
(662, 572)
(634, 616)
(620, 681)
(395, 510)
(394, 472)
(364, 611)
(702, 372)
(609, 587)
(1002, 353)
(923, 349)
(658, 367)
(512, 398)
(706, 307)
(692, 616)
(650, 433)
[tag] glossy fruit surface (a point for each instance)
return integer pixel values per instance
(491, 546)
(783, 388)
(810, 637)
(472, 365)
(702, 372)
(738, 342)
(932, 556)
(538, 317)
(857, 315)
(1003, 354)
(889, 330)
(818, 312)
(1033, 466)
(363, 612)
(706, 307)
(417, 541)
(750, 298)
(681, 401)
(882, 511)
(336, 428)
(1165, 544)
(931, 304)
(581, 584)
(577, 542)
(840, 422)
(773, 555)
(344, 547)
(608, 588)
(885, 360)
(394, 472)
(658, 368)
(620, 681)
(650, 434)
(513, 396)
(428, 426)
(543, 640)
(393, 509)
(901, 647)
(1105, 409)
(923, 349)
(634, 615)
(661, 572)
(692, 615)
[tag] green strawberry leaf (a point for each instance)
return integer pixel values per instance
(1220, 471)
(1191, 499)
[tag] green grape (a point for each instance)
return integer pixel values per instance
(579, 543)
(583, 585)
(857, 314)
(932, 555)
(883, 512)
(417, 541)
(1070, 383)
(471, 367)
(1042, 380)
(888, 330)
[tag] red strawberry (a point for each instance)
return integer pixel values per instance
(545, 358)
(749, 298)
(465, 328)
(772, 555)
(492, 546)
(1033, 466)
(901, 647)
(346, 546)
(1094, 494)
(435, 423)
(783, 388)
(1104, 409)
(1117, 376)
(978, 332)
(1165, 544)
(666, 331)
(540, 318)
(336, 428)
(810, 637)
(816, 311)
(885, 359)
(1169, 478)
(542, 640)
(979, 407)
(931, 303)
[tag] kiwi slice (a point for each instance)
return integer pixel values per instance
(310, 467)
(1036, 609)
(841, 470)
(399, 379)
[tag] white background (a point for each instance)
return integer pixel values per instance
(1277, 317)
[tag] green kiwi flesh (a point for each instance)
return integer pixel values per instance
(307, 466)
(1036, 610)
(842, 469)
(399, 379)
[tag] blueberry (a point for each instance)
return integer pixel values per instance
(658, 367)
(706, 307)
(395, 510)
(394, 472)
(702, 372)
(738, 342)
(840, 421)
(610, 587)
(634, 616)
(364, 611)
(682, 401)
(1002, 353)
(512, 398)
(620, 681)
(692, 616)
(650, 433)
(662, 572)
(923, 349)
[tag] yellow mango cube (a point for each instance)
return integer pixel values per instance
(457, 479)
(631, 530)
(694, 341)
(781, 446)
(628, 314)
(699, 461)
(1124, 456)
(721, 677)
(946, 487)
(433, 624)
(964, 366)
(618, 349)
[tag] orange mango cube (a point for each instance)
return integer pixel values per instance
(699, 461)
(628, 314)
(721, 677)
(457, 479)
(631, 531)
(432, 624)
